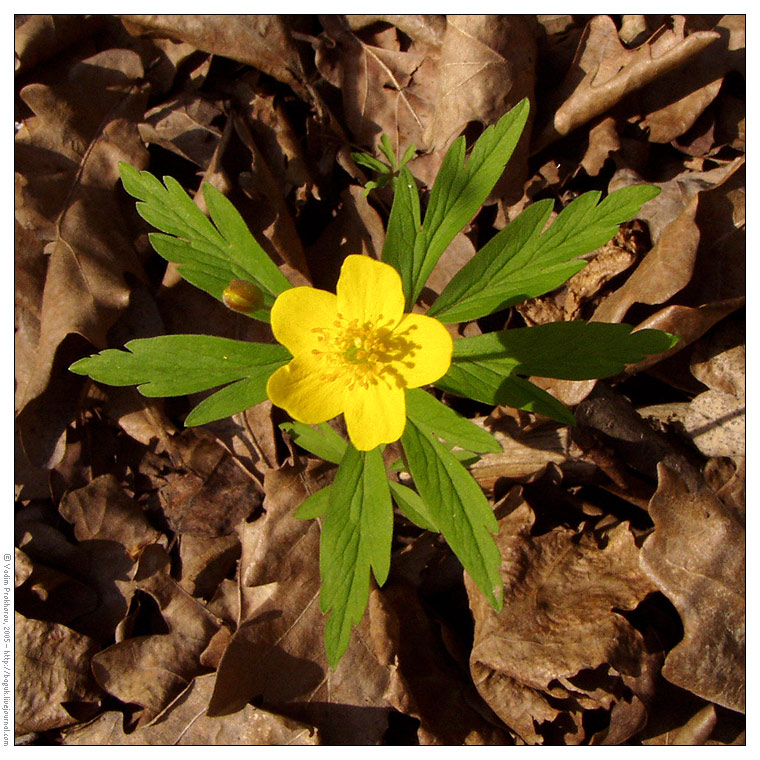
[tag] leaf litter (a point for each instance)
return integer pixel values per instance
(165, 593)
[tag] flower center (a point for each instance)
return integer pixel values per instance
(364, 353)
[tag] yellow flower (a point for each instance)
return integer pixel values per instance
(355, 352)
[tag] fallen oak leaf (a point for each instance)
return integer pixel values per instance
(261, 185)
(695, 556)
(383, 91)
(427, 29)
(101, 510)
(560, 645)
(277, 654)
(184, 722)
(150, 670)
(410, 642)
(66, 162)
(681, 97)
(604, 72)
(261, 40)
(210, 493)
(486, 67)
(52, 674)
(184, 126)
(96, 605)
(38, 37)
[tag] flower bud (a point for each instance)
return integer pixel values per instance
(242, 296)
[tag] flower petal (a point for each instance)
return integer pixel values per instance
(431, 357)
(375, 415)
(370, 291)
(301, 389)
(299, 311)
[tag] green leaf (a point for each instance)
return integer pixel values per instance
(371, 163)
(233, 398)
(208, 255)
(426, 411)
(458, 507)
(177, 365)
(403, 228)
(243, 249)
(321, 440)
(387, 150)
(356, 536)
(411, 506)
(460, 189)
(466, 458)
(493, 386)
(407, 157)
(522, 261)
(314, 506)
(565, 350)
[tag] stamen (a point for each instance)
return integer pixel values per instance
(364, 354)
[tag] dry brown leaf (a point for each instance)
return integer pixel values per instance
(38, 37)
(77, 583)
(175, 64)
(674, 194)
(688, 322)
(101, 510)
(610, 260)
(151, 670)
(526, 454)
(663, 272)
(356, 228)
(604, 72)
(412, 645)
(638, 443)
(251, 437)
(603, 140)
(29, 268)
(427, 29)
(22, 567)
(690, 730)
(207, 493)
(679, 717)
(383, 90)
(681, 96)
(272, 220)
(274, 134)
(696, 558)
(263, 41)
(184, 126)
(184, 723)
(559, 646)
(722, 257)
(715, 422)
(719, 360)
(486, 67)
(51, 595)
(277, 653)
(66, 161)
(633, 29)
(459, 251)
(54, 686)
(141, 418)
(206, 562)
